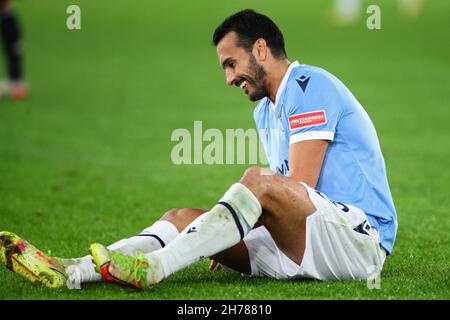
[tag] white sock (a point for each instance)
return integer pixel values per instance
(216, 230)
(150, 239)
(80, 270)
(155, 237)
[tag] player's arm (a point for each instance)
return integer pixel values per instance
(305, 160)
(313, 112)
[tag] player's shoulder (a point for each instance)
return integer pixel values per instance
(307, 79)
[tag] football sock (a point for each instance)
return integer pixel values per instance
(11, 35)
(155, 237)
(150, 239)
(80, 270)
(216, 230)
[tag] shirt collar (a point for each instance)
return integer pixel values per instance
(283, 83)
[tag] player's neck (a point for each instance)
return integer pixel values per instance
(276, 76)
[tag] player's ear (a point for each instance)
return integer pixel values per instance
(260, 49)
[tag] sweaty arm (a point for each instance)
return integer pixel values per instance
(305, 160)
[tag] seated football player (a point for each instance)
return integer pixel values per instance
(323, 210)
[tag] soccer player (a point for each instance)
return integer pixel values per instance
(10, 33)
(323, 210)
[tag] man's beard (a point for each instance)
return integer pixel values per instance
(258, 81)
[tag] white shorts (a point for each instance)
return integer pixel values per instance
(340, 245)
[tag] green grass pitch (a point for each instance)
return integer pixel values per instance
(87, 157)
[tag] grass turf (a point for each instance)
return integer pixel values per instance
(87, 157)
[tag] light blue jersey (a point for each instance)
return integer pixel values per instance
(313, 104)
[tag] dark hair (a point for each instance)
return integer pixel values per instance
(250, 26)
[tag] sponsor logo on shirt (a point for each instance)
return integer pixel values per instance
(307, 119)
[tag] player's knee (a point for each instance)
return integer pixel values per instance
(251, 175)
(256, 180)
(252, 178)
(257, 173)
(181, 217)
(172, 214)
(177, 215)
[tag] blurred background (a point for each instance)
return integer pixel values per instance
(85, 156)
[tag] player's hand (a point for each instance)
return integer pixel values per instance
(215, 265)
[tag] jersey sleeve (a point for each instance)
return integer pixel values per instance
(313, 111)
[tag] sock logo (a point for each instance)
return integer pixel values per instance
(191, 229)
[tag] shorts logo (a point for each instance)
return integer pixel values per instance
(191, 229)
(307, 119)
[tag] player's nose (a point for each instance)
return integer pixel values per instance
(231, 78)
